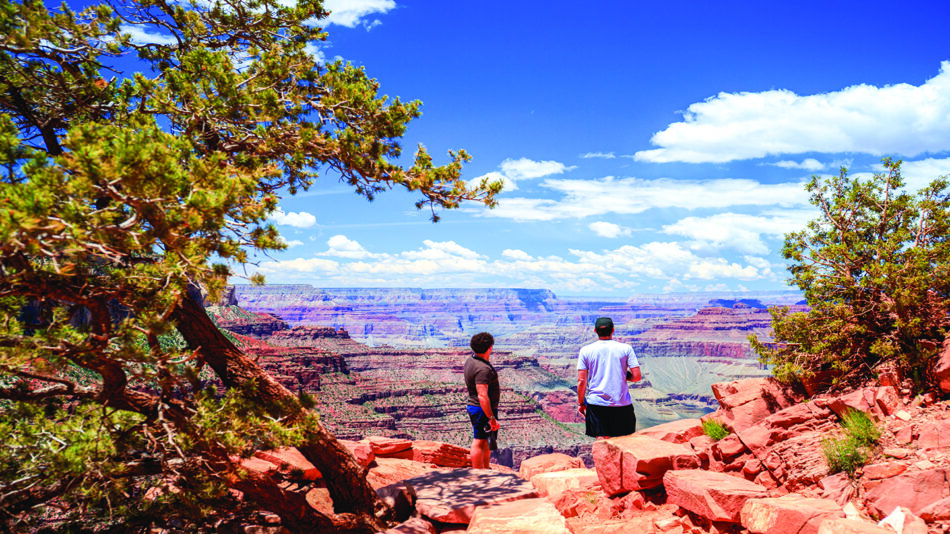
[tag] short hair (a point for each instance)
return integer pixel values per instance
(481, 342)
(604, 326)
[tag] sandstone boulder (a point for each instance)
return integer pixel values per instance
(556, 482)
(527, 516)
(715, 496)
(879, 401)
(414, 525)
(934, 435)
(941, 369)
(361, 450)
(383, 446)
(546, 463)
(581, 501)
(746, 402)
(904, 522)
(915, 491)
(680, 431)
(452, 495)
(290, 458)
(789, 514)
(637, 462)
(443, 454)
(385, 471)
(937, 511)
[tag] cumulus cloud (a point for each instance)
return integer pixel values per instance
(352, 13)
(607, 229)
(894, 119)
(917, 174)
(450, 264)
(809, 164)
(141, 36)
(297, 219)
(584, 198)
(740, 232)
(524, 168)
(341, 246)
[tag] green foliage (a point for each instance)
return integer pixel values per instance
(853, 450)
(120, 191)
(875, 270)
(714, 429)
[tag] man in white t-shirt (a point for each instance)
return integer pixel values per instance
(603, 369)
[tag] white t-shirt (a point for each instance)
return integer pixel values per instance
(607, 362)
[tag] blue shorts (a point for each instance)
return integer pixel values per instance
(481, 429)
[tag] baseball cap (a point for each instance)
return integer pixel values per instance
(603, 322)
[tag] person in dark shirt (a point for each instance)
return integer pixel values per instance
(481, 379)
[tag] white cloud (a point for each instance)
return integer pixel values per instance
(599, 155)
(351, 13)
(917, 174)
(292, 243)
(524, 168)
(141, 36)
(809, 164)
(894, 119)
(740, 232)
(449, 264)
(297, 219)
(606, 229)
(584, 198)
(341, 246)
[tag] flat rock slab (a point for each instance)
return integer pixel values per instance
(851, 526)
(527, 516)
(635, 462)
(915, 491)
(545, 463)
(679, 431)
(556, 482)
(715, 496)
(452, 495)
(789, 514)
(385, 471)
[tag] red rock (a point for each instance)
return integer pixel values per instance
(555, 482)
(790, 514)
(701, 443)
(837, 488)
(941, 368)
(914, 491)
(746, 402)
(414, 525)
(905, 434)
(728, 447)
(527, 516)
(290, 458)
(452, 495)
(581, 501)
(546, 463)
(383, 446)
(935, 435)
(936, 511)
(715, 496)
(361, 450)
(884, 470)
(258, 465)
(851, 526)
(438, 453)
(679, 431)
(637, 462)
(398, 498)
(386, 471)
(319, 499)
(879, 401)
(784, 424)
(766, 480)
(897, 452)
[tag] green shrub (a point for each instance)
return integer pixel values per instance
(859, 427)
(843, 454)
(853, 450)
(714, 429)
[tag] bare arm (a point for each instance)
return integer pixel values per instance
(581, 390)
(634, 375)
(482, 390)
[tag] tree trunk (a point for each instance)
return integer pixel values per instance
(345, 478)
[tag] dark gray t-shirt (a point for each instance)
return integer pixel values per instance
(480, 371)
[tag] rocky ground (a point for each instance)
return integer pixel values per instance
(767, 476)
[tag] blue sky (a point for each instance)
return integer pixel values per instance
(647, 146)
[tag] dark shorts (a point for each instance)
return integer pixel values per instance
(480, 427)
(610, 421)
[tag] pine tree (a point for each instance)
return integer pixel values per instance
(123, 193)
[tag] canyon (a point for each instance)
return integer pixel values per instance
(388, 361)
